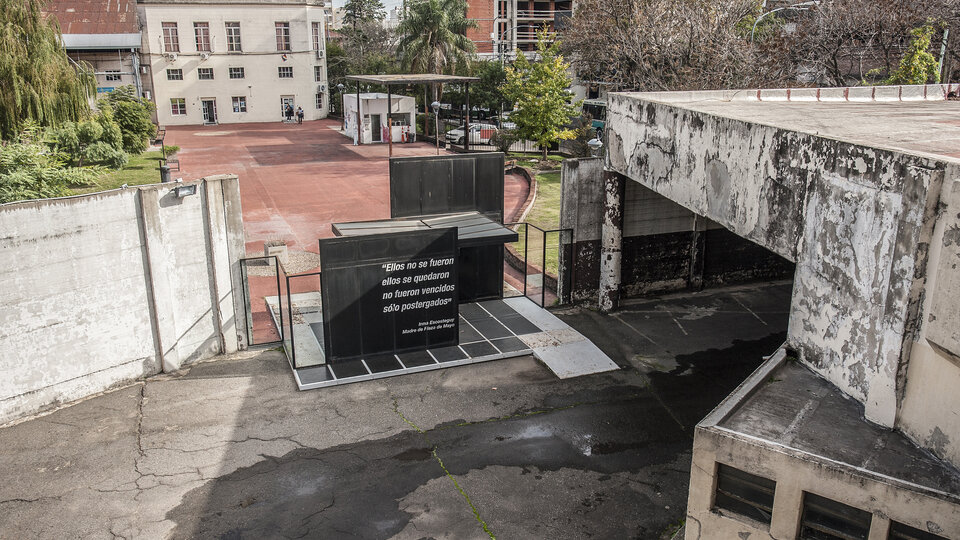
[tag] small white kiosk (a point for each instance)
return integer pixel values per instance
(402, 126)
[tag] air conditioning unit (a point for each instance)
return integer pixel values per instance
(204, 55)
(144, 70)
(321, 88)
(170, 56)
(319, 54)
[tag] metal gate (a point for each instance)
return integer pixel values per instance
(540, 265)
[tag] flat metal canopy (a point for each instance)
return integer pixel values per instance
(413, 78)
(473, 228)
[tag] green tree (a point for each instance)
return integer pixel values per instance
(917, 65)
(541, 96)
(28, 170)
(434, 36)
(37, 79)
(132, 116)
(488, 91)
(362, 11)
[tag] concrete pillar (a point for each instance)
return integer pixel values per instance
(697, 252)
(159, 269)
(221, 237)
(611, 241)
(787, 509)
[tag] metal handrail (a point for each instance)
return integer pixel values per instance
(246, 301)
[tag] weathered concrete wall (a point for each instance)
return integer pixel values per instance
(105, 288)
(853, 219)
(929, 412)
(581, 209)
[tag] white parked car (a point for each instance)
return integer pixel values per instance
(479, 134)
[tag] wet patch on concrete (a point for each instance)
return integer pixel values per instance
(357, 490)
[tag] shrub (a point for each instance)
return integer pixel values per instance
(101, 153)
(503, 139)
(29, 170)
(132, 115)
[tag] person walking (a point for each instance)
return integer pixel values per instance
(289, 112)
(299, 115)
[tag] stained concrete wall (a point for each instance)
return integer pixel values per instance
(104, 288)
(853, 218)
(929, 411)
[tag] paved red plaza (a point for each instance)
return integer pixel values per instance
(297, 179)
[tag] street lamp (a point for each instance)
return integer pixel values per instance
(436, 117)
(595, 145)
(801, 6)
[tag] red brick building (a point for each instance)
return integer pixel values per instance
(507, 25)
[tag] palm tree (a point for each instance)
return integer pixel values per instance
(435, 38)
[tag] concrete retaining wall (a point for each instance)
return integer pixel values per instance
(105, 288)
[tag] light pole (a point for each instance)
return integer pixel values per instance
(436, 118)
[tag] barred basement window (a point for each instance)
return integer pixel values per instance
(285, 72)
(744, 493)
(825, 519)
(174, 74)
(236, 72)
(205, 74)
(899, 531)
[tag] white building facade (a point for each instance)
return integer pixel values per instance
(231, 61)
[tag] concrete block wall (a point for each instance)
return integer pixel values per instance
(105, 288)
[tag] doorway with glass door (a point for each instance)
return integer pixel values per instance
(209, 110)
(284, 102)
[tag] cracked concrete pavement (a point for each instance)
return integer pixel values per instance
(230, 449)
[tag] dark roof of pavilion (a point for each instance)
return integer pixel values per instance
(411, 78)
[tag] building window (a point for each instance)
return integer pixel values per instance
(316, 36)
(111, 75)
(825, 519)
(236, 73)
(318, 73)
(319, 101)
(899, 531)
(171, 41)
(744, 493)
(239, 104)
(174, 74)
(285, 72)
(205, 74)
(178, 106)
(233, 36)
(202, 31)
(283, 36)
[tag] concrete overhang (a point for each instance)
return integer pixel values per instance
(79, 42)
(918, 120)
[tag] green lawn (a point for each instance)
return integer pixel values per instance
(142, 169)
(545, 213)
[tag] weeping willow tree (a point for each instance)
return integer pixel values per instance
(37, 80)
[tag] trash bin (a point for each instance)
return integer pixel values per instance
(165, 173)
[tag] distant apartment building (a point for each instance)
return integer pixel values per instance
(229, 61)
(104, 34)
(504, 26)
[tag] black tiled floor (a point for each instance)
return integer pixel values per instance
(481, 348)
(468, 334)
(519, 325)
(473, 312)
(492, 329)
(416, 359)
(351, 368)
(499, 309)
(382, 363)
(510, 344)
(448, 354)
(314, 374)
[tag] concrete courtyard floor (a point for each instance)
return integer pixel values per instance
(230, 449)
